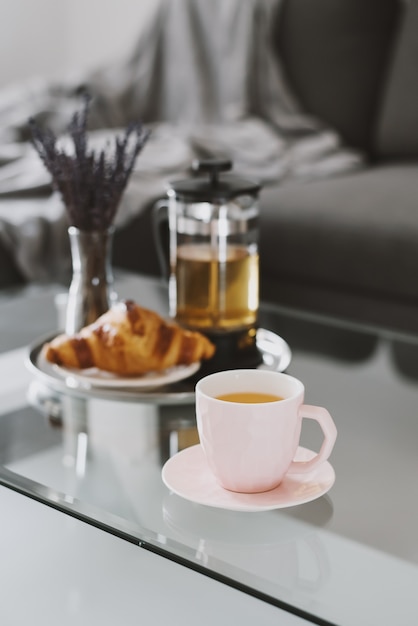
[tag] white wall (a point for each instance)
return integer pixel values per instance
(55, 37)
(33, 38)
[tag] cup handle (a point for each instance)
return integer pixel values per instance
(329, 430)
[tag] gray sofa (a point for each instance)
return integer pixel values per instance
(347, 245)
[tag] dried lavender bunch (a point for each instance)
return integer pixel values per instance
(91, 183)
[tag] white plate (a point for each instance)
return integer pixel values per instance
(275, 352)
(188, 475)
(94, 377)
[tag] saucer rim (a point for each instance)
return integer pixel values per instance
(251, 504)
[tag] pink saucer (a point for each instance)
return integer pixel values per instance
(188, 475)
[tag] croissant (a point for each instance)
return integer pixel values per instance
(129, 340)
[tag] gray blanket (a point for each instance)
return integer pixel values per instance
(206, 77)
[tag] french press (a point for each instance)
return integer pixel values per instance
(214, 260)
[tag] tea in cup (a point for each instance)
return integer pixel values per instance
(249, 423)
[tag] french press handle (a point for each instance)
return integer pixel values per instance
(160, 231)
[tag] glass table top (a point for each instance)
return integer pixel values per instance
(349, 557)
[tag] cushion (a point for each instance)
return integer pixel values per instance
(397, 132)
(347, 235)
(335, 54)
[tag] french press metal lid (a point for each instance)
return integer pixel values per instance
(213, 188)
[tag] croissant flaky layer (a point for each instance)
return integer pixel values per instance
(129, 340)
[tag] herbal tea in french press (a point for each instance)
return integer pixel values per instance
(214, 261)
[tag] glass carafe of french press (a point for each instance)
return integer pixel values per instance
(214, 262)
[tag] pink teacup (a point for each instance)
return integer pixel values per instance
(250, 446)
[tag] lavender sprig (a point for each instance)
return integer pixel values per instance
(91, 183)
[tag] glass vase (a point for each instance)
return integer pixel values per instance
(91, 290)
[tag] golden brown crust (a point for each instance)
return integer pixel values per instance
(129, 340)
